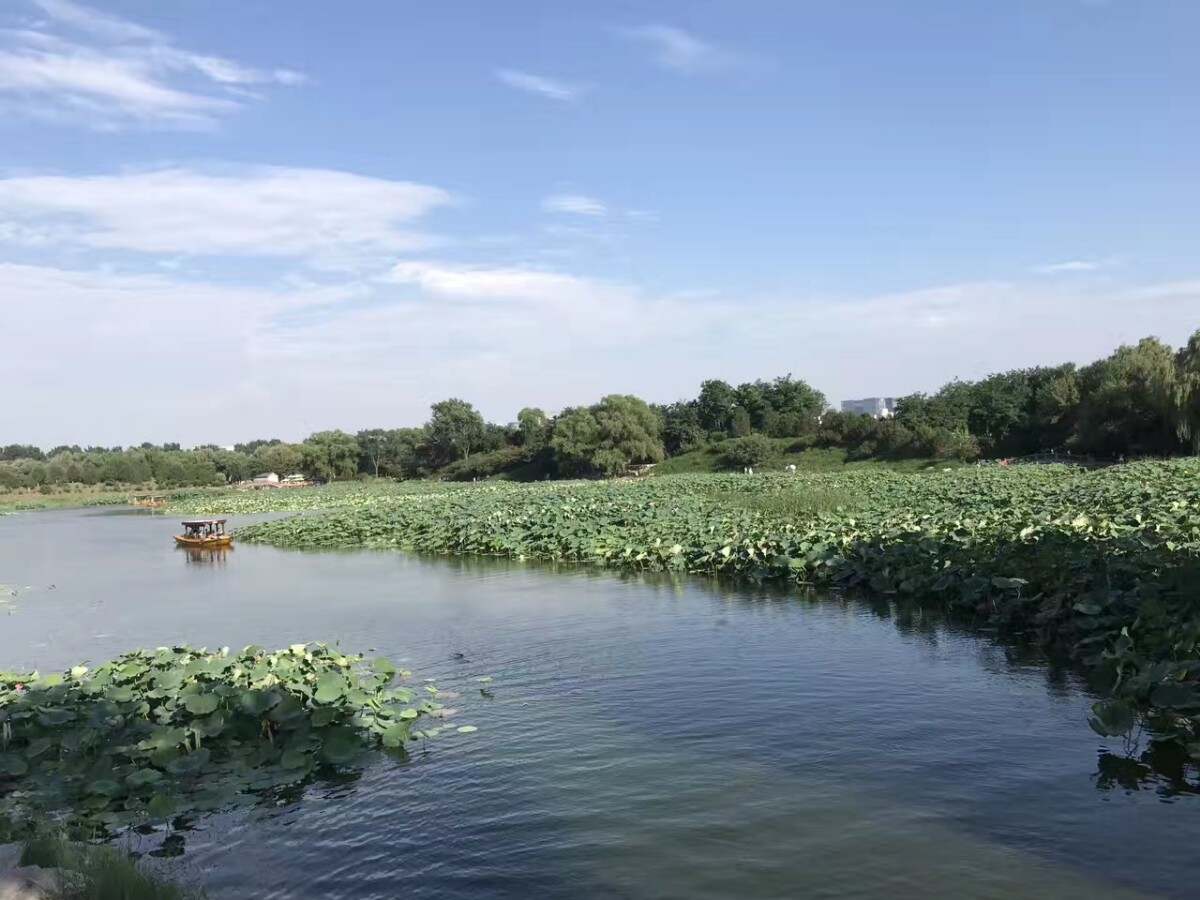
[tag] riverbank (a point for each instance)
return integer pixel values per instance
(21, 501)
(77, 496)
(1103, 564)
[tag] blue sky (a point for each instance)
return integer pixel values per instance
(224, 220)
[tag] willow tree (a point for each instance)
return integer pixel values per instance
(606, 438)
(1187, 394)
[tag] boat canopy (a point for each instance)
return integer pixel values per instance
(208, 527)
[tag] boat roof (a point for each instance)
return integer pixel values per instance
(202, 522)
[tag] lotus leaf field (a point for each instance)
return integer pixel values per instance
(1103, 564)
(153, 735)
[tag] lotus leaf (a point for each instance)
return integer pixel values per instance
(197, 728)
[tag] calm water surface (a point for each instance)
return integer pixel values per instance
(644, 739)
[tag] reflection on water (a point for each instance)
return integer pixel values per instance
(645, 736)
(1162, 768)
(205, 556)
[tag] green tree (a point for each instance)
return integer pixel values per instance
(1187, 394)
(753, 410)
(715, 406)
(330, 455)
(793, 401)
(681, 427)
(630, 428)
(21, 451)
(282, 459)
(406, 453)
(455, 429)
(533, 427)
(575, 440)
(1128, 401)
(372, 443)
(1054, 407)
(608, 437)
(740, 423)
(998, 408)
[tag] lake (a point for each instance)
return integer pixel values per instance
(644, 738)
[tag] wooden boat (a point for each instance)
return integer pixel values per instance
(204, 533)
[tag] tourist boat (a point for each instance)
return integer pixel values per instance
(204, 533)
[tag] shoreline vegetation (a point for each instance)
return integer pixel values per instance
(1101, 564)
(63, 869)
(159, 735)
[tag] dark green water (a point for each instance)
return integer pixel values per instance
(645, 739)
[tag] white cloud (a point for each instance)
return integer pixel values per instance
(576, 204)
(118, 73)
(376, 354)
(576, 295)
(1071, 265)
(316, 214)
(680, 50)
(96, 22)
(550, 88)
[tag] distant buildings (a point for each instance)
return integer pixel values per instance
(879, 407)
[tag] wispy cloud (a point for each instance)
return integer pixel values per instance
(1071, 265)
(551, 88)
(574, 204)
(679, 50)
(317, 215)
(465, 282)
(113, 73)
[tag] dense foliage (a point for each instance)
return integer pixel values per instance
(605, 439)
(1142, 400)
(153, 735)
(751, 450)
(1105, 564)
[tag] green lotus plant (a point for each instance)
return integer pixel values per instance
(156, 734)
(1104, 564)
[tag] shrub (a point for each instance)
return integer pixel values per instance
(484, 465)
(751, 450)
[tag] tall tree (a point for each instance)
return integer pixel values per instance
(608, 437)
(1127, 401)
(715, 406)
(455, 429)
(1187, 394)
(331, 455)
(372, 442)
(533, 427)
(681, 427)
(278, 457)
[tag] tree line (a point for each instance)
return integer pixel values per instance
(1143, 399)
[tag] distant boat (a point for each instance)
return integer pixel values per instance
(204, 533)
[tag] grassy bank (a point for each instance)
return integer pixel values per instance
(99, 873)
(74, 496)
(710, 459)
(19, 501)
(1104, 564)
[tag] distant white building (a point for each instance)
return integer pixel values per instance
(879, 407)
(266, 478)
